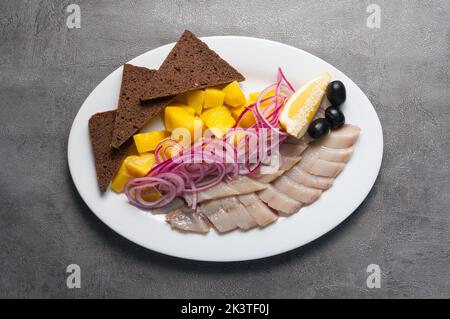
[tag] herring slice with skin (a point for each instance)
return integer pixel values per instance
(344, 137)
(279, 201)
(300, 176)
(245, 185)
(237, 186)
(320, 167)
(190, 221)
(297, 191)
(262, 214)
(238, 213)
(221, 220)
(340, 155)
(173, 205)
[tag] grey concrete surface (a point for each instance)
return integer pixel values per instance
(47, 70)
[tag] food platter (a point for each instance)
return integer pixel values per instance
(257, 60)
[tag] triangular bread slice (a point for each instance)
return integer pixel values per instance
(107, 159)
(132, 115)
(190, 65)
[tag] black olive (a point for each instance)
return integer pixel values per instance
(336, 93)
(335, 117)
(318, 128)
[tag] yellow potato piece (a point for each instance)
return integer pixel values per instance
(172, 113)
(169, 152)
(151, 196)
(190, 110)
(121, 178)
(219, 122)
(146, 142)
(213, 97)
(254, 95)
(184, 107)
(215, 110)
(184, 126)
(247, 121)
(234, 95)
(195, 99)
(140, 165)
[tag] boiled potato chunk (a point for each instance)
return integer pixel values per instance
(140, 165)
(179, 118)
(185, 107)
(195, 100)
(122, 177)
(218, 120)
(253, 97)
(247, 121)
(234, 95)
(213, 97)
(168, 152)
(151, 196)
(218, 109)
(146, 142)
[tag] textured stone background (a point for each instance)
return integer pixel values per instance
(47, 70)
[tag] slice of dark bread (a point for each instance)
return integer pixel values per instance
(107, 159)
(132, 115)
(190, 65)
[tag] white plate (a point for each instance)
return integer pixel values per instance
(258, 60)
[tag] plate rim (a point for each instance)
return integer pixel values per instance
(285, 249)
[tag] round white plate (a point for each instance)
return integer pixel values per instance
(258, 60)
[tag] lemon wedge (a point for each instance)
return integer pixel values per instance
(302, 106)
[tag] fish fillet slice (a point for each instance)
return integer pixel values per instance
(268, 178)
(320, 167)
(288, 156)
(237, 186)
(297, 191)
(238, 213)
(245, 185)
(344, 137)
(221, 220)
(173, 205)
(330, 154)
(279, 201)
(262, 214)
(292, 150)
(185, 220)
(298, 175)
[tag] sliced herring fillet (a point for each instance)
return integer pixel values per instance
(344, 137)
(221, 220)
(185, 220)
(288, 156)
(279, 201)
(300, 176)
(268, 178)
(238, 213)
(340, 155)
(320, 167)
(262, 214)
(245, 185)
(173, 205)
(293, 150)
(297, 191)
(287, 162)
(237, 186)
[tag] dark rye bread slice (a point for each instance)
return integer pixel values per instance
(107, 159)
(132, 115)
(190, 65)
